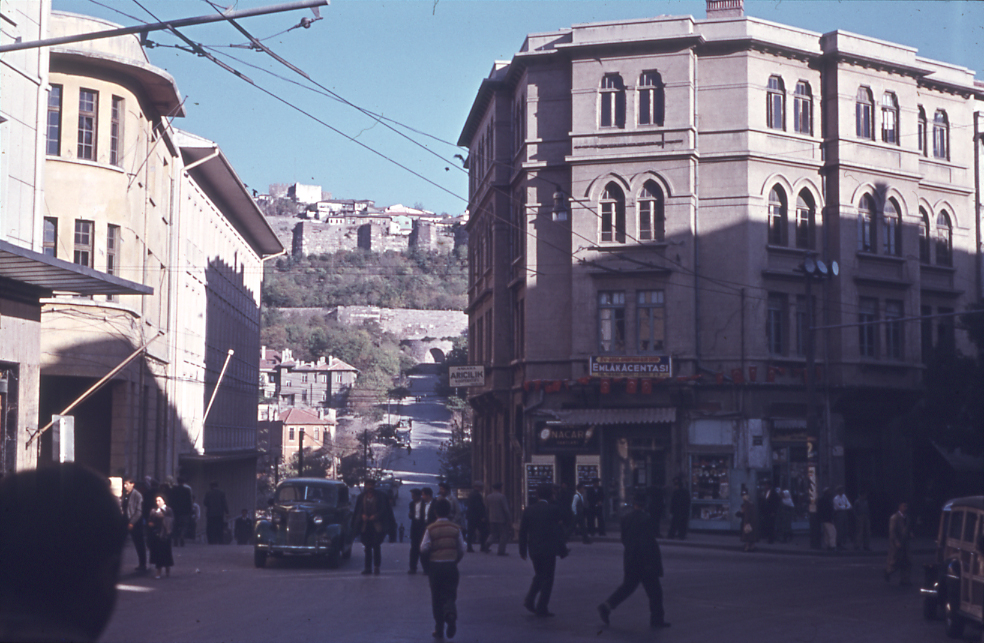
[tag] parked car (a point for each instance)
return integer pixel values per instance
(308, 516)
(955, 580)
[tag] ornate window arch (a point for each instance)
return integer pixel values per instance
(806, 213)
(775, 103)
(651, 98)
(611, 112)
(652, 224)
(891, 228)
(944, 240)
(612, 208)
(866, 224)
(777, 217)
(864, 114)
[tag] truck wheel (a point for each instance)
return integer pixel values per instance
(954, 622)
(259, 558)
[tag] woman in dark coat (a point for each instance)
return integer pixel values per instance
(747, 514)
(160, 523)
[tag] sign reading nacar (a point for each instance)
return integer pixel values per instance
(463, 376)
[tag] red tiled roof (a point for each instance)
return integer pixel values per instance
(301, 416)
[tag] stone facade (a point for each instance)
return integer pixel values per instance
(645, 195)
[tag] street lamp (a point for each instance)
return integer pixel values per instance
(560, 210)
(813, 268)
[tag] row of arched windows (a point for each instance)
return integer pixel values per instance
(865, 124)
(805, 230)
(649, 94)
(881, 232)
(650, 224)
(775, 108)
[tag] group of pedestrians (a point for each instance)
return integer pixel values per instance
(836, 513)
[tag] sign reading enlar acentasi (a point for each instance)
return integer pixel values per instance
(652, 366)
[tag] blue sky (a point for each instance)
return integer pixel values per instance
(420, 64)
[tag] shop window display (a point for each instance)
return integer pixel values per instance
(710, 487)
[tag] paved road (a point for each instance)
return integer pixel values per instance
(215, 594)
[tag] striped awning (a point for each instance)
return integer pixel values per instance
(594, 417)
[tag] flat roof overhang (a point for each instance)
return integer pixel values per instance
(50, 275)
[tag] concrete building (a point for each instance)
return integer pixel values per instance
(644, 198)
(29, 270)
(180, 244)
(294, 383)
(220, 240)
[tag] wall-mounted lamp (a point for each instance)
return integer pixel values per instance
(559, 212)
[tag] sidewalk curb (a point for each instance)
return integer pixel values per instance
(768, 549)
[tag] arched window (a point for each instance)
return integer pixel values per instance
(891, 229)
(651, 100)
(613, 214)
(805, 220)
(612, 110)
(866, 224)
(864, 113)
(921, 135)
(890, 119)
(777, 217)
(776, 97)
(944, 240)
(650, 203)
(941, 135)
(803, 109)
(923, 236)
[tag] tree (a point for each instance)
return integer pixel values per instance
(317, 464)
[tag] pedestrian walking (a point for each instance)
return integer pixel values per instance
(133, 512)
(159, 527)
(679, 510)
(825, 514)
(862, 522)
(770, 514)
(596, 508)
(541, 534)
(899, 533)
(444, 491)
(784, 523)
(443, 546)
(842, 517)
(180, 500)
(641, 563)
(216, 513)
(500, 520)
(419, 513)
(579, 507)
(475, 514)
(373, 520)
(749, 534)
(243, 528)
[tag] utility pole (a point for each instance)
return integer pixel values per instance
(300, 454)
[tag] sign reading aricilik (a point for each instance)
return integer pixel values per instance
(471, 375)
(651, 366)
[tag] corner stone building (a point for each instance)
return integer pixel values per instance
(643, 197)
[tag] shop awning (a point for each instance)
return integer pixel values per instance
(591, 417)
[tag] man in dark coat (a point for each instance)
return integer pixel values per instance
(541, 533)
(373, 519)
(216, 512)
(595, 509)
(179, 499)
(679, 510)
(475, 514)
(133, 512)
(642, 563)
(418, 523)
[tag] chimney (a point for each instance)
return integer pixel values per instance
(725, 9)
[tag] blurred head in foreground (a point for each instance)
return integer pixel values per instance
(61, 539)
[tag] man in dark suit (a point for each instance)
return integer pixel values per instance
(642, 563)
(372, 520)
(541, 532)
(596, 508)
(418, 523)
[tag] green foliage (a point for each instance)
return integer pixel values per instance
(317, 464)
(412, 279)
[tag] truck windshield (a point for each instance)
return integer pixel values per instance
(291, 493)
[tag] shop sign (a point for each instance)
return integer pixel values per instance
(537, 474)
(641, 366)
(465, 376)
(582, 439)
